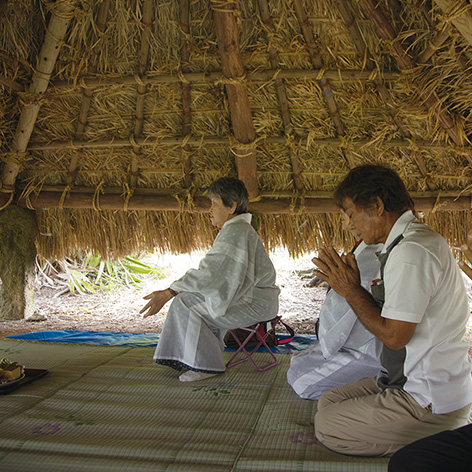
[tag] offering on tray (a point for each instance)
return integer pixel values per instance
(10, 371)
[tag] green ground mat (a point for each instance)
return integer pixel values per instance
(105, 408)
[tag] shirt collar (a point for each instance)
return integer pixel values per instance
(399, 228)
(246, 217)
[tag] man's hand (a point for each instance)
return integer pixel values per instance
(339, 272)
(466, 249)
(157, 300)
(342, 274)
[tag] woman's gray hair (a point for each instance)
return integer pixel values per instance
(230, 190)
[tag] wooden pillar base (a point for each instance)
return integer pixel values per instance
(18, 230)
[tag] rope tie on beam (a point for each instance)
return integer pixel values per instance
(240, 149)
(297, 203)
(65, 194)
(346, 143)
(186, 140)
(375, 73)
(232, 80)
(185, 199)
(225, 6)
(276, 74)
(182, 78)
(139, 80)
(413, 146)
(96, 196)
(320, 73)
(135, 146)
(437, 204)
(258, 198)
(127, 194)
(290, 141)
(66, 9)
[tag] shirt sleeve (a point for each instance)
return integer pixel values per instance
(411, 276)
(221, 272)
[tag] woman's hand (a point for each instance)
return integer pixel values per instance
(157, 300)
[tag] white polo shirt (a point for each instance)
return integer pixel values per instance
(424, 285)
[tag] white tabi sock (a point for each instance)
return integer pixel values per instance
(191, 376)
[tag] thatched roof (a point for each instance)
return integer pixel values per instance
(116, 115)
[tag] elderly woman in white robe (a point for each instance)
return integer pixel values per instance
(234, 286)
(346, 350)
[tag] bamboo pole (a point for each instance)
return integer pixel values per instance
(435, 44)
(223, 141)
(240, 110)
(201, 204)
(430, 100)
(10, 83)
(323, 82)
(56, 31)
(211, 77)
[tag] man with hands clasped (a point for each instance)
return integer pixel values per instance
(418, 310)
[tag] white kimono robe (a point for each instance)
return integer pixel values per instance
(233, 287)
(346, 350)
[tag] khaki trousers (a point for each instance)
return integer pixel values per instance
(357, 419)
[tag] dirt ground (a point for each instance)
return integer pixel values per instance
(117, 310)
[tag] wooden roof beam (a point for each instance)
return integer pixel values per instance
(226, 27)
(54, 35)
(282, 96)
(323, 82)
(201, 204)
(430, 100)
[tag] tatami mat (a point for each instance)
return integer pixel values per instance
(113, 409)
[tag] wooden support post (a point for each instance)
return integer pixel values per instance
(240, 110)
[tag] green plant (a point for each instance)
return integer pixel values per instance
(87, 273)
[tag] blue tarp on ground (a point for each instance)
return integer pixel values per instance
(299, 343)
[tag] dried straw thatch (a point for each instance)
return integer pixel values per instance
(116, 115)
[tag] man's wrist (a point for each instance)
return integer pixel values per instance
(172, 292)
